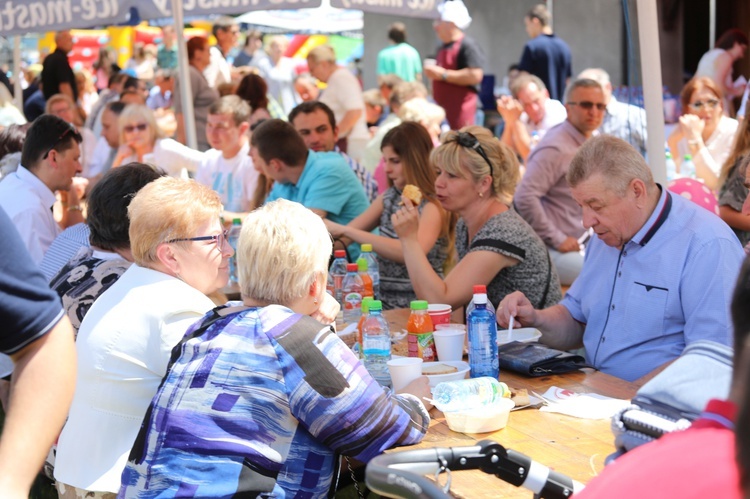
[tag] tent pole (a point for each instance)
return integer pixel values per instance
(186, 91)
(17, 90)
(711, 23)
(648, 29)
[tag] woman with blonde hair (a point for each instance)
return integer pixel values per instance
(733, 191)
(125, 340)
(258, 391)
(406, 151)
(142, 141)
(703, 131)
(476, 177)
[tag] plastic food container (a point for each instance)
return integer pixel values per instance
(492, 417)
(462, 373)
(522, 334)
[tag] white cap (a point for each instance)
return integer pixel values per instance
(456, 12)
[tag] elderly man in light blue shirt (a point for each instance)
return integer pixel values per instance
(658, 276)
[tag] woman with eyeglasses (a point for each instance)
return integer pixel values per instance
(406, 154)
(476, 177)
(260, 399)
(703, 130)
(125, 340)
(142, 141)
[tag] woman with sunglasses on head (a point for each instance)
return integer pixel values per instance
(703, 131)
(125, 340)
(406, 154)
(142, 141)
(476, 177)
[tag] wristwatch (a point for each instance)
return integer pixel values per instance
(444, 76)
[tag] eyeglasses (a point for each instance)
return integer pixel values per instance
(468, 140)
(699, 104)
(71, 130)
(587, 105)
(141, 127)
(218, 239)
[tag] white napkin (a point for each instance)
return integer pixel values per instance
(581, 405)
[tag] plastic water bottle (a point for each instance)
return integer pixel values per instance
(366, 279)
(468, 394)
(671, 167)
(687, 169)
(351, 294)
(482, 329)
(479, 288)
(365, 312)
(233, 238)
(376, 338)
(373, 268)
(336, 275)
(535, 137)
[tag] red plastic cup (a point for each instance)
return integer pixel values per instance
(440, 313)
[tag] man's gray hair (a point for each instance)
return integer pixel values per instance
(616, 160)
(596, 74)
(581, 83)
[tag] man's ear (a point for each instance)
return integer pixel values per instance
(276, 164)
(336, 133)
(639, 191)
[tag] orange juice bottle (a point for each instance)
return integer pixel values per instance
(366, 278)
(420, 329)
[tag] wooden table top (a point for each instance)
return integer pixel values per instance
(572, 446)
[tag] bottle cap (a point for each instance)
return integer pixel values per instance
(362, 264)
(339, 254)
(480, 288)
(366, 303)
(236, 221)
(688, 157)
(375, 305)
(418, 305)
(480, 298)
(366, 247)
(351, 267)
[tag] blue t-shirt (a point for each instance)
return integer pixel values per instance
(28, 307)
(327, 184)
(548, 57)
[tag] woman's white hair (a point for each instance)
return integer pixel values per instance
(283, 247)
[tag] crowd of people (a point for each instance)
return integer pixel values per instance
(116, 236)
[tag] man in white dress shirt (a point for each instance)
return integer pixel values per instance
(50, 159)
(528, 114)
(343, 95)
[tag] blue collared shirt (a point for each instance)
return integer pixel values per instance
(670, 285)
(627, 122)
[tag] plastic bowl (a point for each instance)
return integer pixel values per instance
(491, 417)
(463, 372)
(522, 334)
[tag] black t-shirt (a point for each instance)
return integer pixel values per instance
(56, 70)
(28, 307)
(470, 55)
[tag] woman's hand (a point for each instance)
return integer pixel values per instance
(406, 220)
(692, 127)
(336, 230)
(328, 310)
(420, 388)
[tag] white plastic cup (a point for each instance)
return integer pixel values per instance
(404, 370)
(449, 342)
(429, 62)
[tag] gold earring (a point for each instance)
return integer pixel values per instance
(481, 195)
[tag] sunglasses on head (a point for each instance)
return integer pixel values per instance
(587, 105)
(700, 104)
(69, 131)
(141, 127)
(468, 140)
